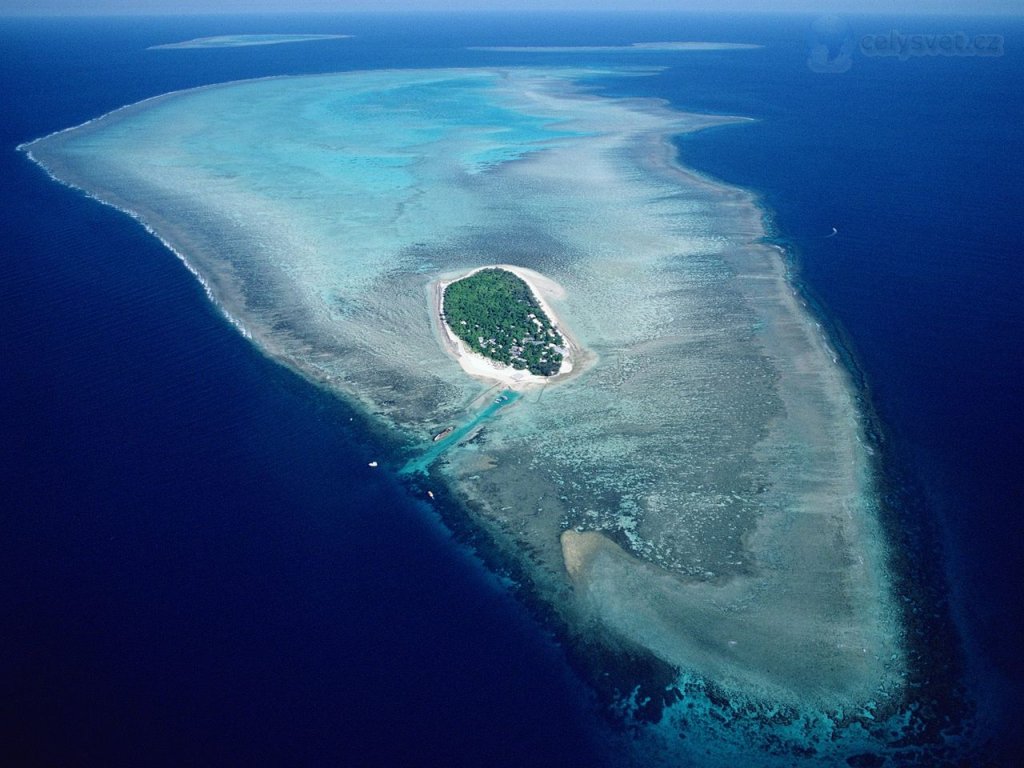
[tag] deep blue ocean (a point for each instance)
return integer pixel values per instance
(198, 567)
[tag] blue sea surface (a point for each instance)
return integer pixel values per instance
(197, 564)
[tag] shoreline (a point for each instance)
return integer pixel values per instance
(574, 361)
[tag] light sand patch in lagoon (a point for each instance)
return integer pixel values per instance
(710, 455)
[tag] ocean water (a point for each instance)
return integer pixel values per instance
(199, 553)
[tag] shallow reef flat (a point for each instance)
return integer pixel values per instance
(700, 494)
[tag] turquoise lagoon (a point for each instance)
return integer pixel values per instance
(701, 494)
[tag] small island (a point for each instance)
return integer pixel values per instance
(496, 314)
(497, 324)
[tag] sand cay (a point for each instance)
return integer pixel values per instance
(696, 490)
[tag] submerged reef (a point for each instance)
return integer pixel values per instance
(695, 507)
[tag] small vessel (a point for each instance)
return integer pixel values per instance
(431, 495)
(372, 464)
(443, 433)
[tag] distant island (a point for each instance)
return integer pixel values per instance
(497, 315)
(238, 41)
(658, 47)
